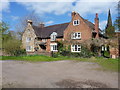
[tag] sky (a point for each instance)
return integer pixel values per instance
(57, 11)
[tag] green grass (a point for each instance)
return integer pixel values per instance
(107, 64)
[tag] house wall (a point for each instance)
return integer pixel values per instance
(49, 42)
(29, 32)
(82, 27)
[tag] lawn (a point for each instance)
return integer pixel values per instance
(106, 63)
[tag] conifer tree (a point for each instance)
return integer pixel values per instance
(109, 31)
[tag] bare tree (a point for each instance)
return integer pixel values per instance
(20, 27)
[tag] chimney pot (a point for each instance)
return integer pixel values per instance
(42, 25)
(29, 21)
(96, 15)
(73, 13)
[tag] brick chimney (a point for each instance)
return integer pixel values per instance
(29, 22)
(41, 25)
(97, 25)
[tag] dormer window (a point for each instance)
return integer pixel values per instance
(28, 39)
(76, 22)
(76, 35)
(53, 36)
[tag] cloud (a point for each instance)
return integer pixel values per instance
(102, 24)
(14, 18)
(41, 8)
(49, 22)
(4, 5)
(58, 7)
(85, 7)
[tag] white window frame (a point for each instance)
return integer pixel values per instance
(74, 49)
(28, 48)
(76, 22)
(53, 36)
(28, 39)
(44, 40)
(53, 47)
(76, 35)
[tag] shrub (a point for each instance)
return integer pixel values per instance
(12, 47)
(19, 52)
(85, 53)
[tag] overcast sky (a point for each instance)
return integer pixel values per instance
(57, 11)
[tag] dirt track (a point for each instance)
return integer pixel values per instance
(57, 74)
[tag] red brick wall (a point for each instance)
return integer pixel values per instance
(48, 43)
(82, 27)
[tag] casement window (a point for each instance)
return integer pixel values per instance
(44, 40)
(75, 48)
(105, 48)
(53, 47)
(29, 48)
(76, 35)
(76, 22)
(53, 36)
(28, 39)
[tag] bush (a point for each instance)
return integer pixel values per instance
(13, 47)
(84, 53)
(19, 52)
(65, 53)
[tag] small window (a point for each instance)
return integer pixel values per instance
(28, 48)
(28, 39)
(76, 35)
(76, 22)
(75, 48)
(44, 40)
(53, 36)
(53, 47)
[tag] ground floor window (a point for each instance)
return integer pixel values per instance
(75, 48)
(29, 48)
(53, 47)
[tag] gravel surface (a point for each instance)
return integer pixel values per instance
(56, 74)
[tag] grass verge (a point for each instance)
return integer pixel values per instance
(106, 63)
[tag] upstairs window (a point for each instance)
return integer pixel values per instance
(75, 48)
(28, 39)
(44, 40)
(76, 35)
(53, 36)
(76, 22)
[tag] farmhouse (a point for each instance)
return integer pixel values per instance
(44, 39)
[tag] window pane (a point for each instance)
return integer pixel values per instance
(75, 47)
(75, 35)
(77, 22)
(78, 49)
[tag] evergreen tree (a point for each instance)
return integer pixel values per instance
(109, 31)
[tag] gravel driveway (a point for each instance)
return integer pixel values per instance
(56, 74)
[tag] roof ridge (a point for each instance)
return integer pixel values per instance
(57, 24)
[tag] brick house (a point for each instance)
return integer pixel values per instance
(43, 39)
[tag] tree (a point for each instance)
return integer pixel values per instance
(20, 27)
(13, 47)
(4, 33)
(117, 21)
(3, 27)
(9, 44)
(109, 31)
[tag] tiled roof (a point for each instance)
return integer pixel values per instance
(45, 32)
